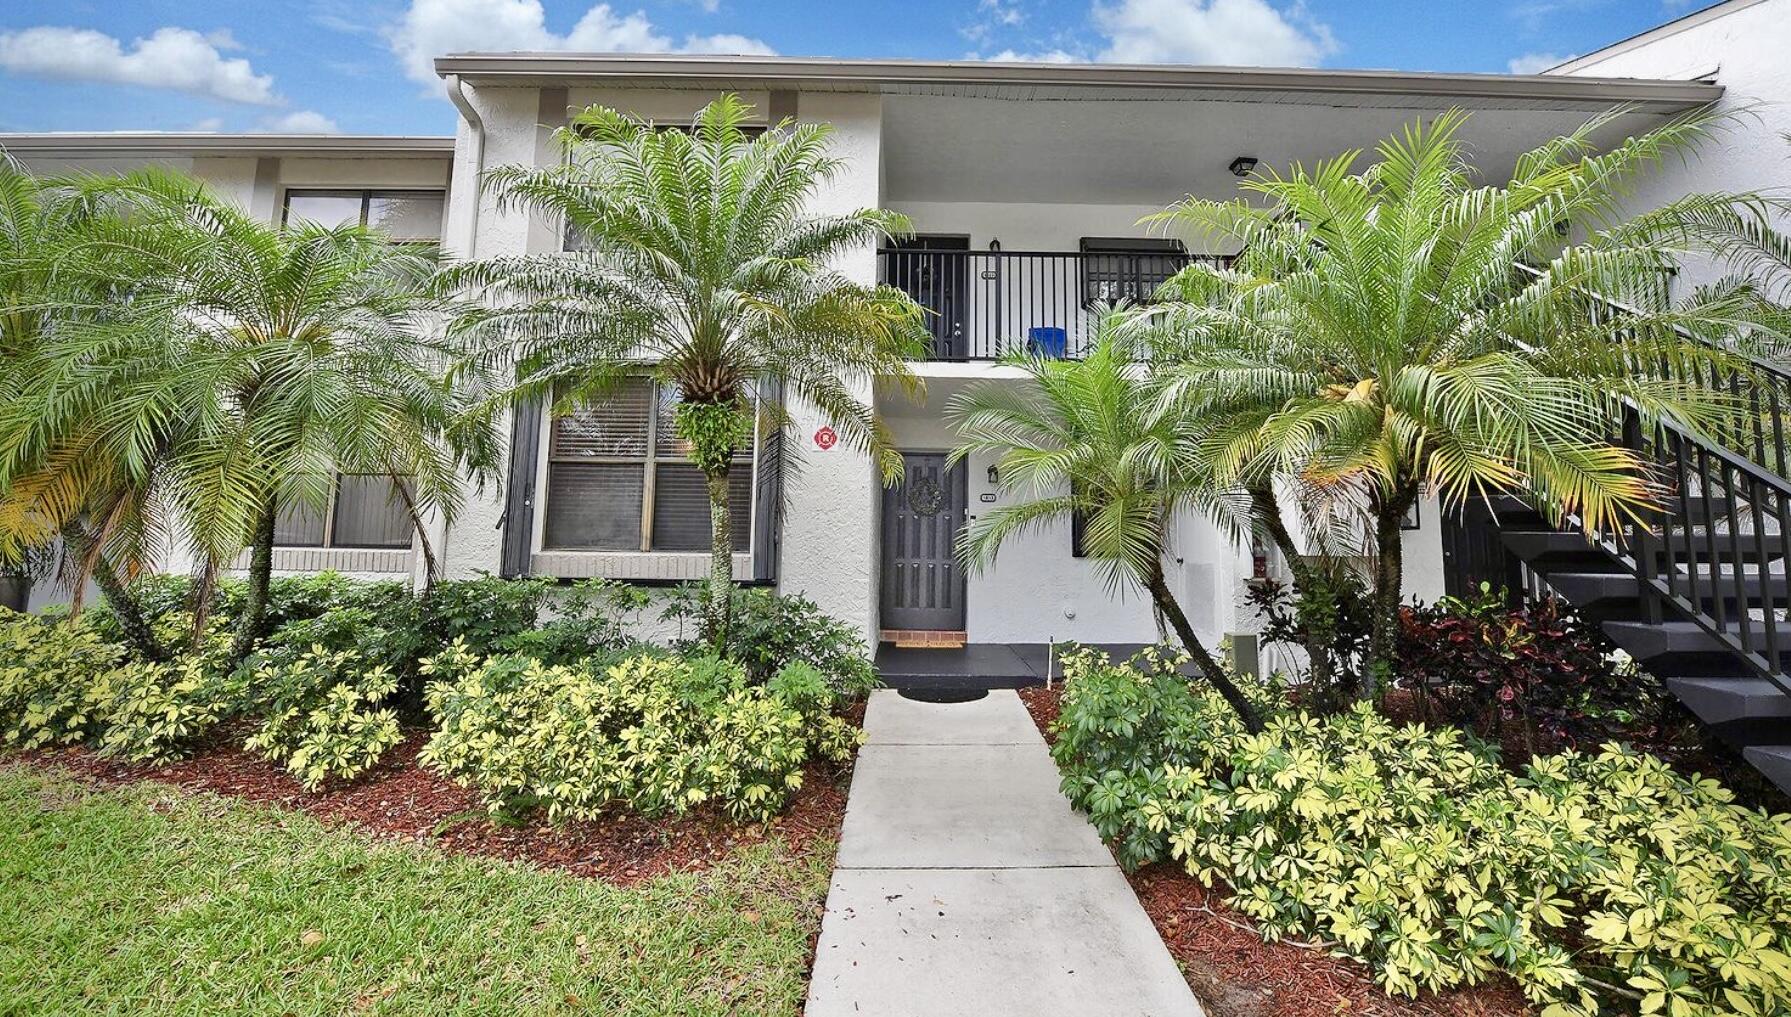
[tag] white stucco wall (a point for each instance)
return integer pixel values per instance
(473, 543)
(1743, 45)
(830, 548)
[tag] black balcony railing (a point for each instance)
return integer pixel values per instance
(982, 305)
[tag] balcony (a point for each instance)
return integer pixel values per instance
(982, 305)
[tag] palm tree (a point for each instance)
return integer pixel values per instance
(699, 263)
(1376, 334)
(1095, 438)
(52, 293)
(286, 357)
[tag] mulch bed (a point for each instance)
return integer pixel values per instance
(1235, 974)
(402, 800)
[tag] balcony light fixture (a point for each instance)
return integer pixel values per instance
(1243, 165)
(995, 244)
(994, 476)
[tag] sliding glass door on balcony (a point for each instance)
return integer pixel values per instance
(982, 305)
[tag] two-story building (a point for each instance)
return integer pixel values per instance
(1025, 182)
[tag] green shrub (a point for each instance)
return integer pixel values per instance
(1587, 878)
(154, 712)
(483, 611)
(325, 714)
(770, 632)
(47, 668)
(590, 620)
(657, 734)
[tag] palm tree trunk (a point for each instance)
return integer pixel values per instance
(718, 611)
(1209, 667)
(1318, 628)
(253, 623)
(137, 630)
(1389, 577)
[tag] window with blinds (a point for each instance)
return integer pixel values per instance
(363, 512)
(620, 479)
(408, 217)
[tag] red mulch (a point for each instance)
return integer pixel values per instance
(404, 801)
(1236, 974)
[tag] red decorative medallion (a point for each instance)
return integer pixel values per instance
(825, 438)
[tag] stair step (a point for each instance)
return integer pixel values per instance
(1727, 700)
(1682, 648)
(1512, 510)
(1556, 549)
(1586, 589)
(1772, 760)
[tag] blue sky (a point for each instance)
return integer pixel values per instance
(361, 66)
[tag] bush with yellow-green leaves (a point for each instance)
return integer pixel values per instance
(63, 682)
(1599, 882)
(659, 734)
(325, 713)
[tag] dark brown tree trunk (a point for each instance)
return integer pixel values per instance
(137, 630)
(1209, 667)
(718, 613)
(430, 568)
(1389, 576)
(253, 623)
(1318, 629)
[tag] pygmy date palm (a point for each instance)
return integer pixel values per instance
(287, 356)
(1376, 332)
(699, 261)
(1096, 439)
(95, 502)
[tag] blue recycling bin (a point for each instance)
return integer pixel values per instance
(1048, 342)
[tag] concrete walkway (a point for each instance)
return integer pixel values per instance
(966, 884)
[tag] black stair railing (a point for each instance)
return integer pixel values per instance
(1713, 549)
(1760, 388)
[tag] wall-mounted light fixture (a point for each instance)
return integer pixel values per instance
(994, 476)
(995, 244)
(1243, 165)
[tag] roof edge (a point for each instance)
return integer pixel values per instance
(525, 68)
(153, 143)
(1684, 22)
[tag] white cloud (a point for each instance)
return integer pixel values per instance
(207, 125)
(1535, 63)
(1050, 56)
(302, 121)
(432, 28)
(1226, 32)
(179, 59)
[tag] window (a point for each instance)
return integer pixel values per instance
(1128, 268)
(409, 217)
(1078, 533)
(364, 511)
(619, 479)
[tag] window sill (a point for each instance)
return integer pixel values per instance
(381, 560)
(645, 565)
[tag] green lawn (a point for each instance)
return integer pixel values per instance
(146, 899)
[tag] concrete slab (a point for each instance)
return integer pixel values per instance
(997, 719)
(965, 806)
(991, 942)
(965, 883)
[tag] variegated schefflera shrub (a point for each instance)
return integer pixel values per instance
(64, 682)
(1601, 882)
(659, 734)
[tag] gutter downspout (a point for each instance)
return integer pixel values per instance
(469, 241)
(457, 95)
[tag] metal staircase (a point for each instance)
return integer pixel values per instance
(1698, 592)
